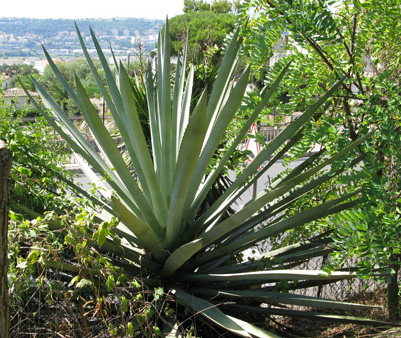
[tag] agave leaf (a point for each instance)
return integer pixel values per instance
(144, 160)
(267, 196)
(84, 193)
(303, 256)
(314, 315)
(295, 172)
(179, 258)
(60, 117)
(212, 177)
(223, 119)
(213, 313)
(78, 143)
(154, 125)
(142, 231)
(279, 298)
(120, 121)
(110, 148)
(111, 83)
(115, 104)
(236, 220)
(177, 109)
(182, 103)
(165, 116)
(90, 174)
(241, 216)
(269, 230)
(213, 108)
(186, 105)
(170, 329)
(186, 164)
(64, 266)
(160, 66)
(60, 77)
(176, 101)
(280, 205)
(267, 276)
(257, 259)
(228, 197)
(273, 210)
(223, 78)
(127, 251)
(213, 141)
(252, 329)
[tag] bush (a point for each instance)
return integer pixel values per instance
(36, 175)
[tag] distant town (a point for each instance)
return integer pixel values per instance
(21, 40)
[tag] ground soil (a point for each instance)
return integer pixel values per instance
(294, 328)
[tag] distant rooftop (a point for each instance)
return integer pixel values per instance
(17, 92)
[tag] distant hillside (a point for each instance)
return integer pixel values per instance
(48, 28)
(24, 37)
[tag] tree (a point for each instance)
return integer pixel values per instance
(217, 6)
(18, 72)
(358, 40)
(222, 6)
(140, 65)
(236, 5)
(195, 6)
(17, 69)
(208, 25)
(80, 68)
(206, 29)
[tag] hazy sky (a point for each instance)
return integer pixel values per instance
(78, 9)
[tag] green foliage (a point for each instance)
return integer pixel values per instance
(206, 29)
(37, 156)
(217, 6)
(195, 6)
(164, 230)
(79, 68)
(376, 238)
(54, 259)
(18, 72)
(60, 281)
(342, 38)
(221, 6)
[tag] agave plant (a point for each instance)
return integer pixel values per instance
(162, 225)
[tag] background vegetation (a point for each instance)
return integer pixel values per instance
(48, 28)
(328, 40)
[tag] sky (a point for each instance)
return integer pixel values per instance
(79, 9)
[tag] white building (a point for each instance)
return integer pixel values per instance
(18, 97)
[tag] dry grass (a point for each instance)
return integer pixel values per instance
(80, 315)
(293, 328)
